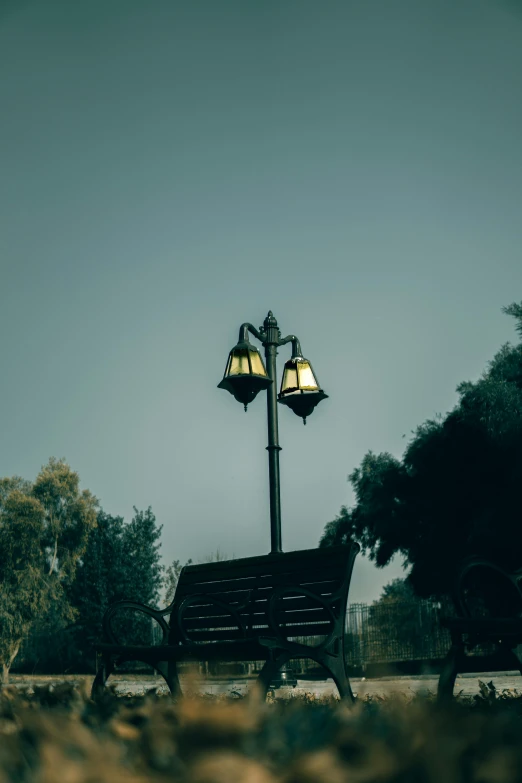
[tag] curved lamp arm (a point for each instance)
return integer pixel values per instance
(296, 345)
(245, 328)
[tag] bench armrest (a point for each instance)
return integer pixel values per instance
(156, 614)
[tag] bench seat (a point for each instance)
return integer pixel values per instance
(488, 599)
(273, 608)
(485, 627)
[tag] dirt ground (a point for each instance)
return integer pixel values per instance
(468, 684)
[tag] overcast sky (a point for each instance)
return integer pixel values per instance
(170, 169)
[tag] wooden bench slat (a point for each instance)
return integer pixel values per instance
(156, 652)
(310, 581)
(226, 570)
(236, 650)
(253, 565)
(485, 625)
(241, 650)
(314, 570)
(258, 606)
(307, 629)
(212, 609)
(225, 621)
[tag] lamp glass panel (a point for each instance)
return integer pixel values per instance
(306, 376)
(258, 367)
(289, 378)
(239, 362)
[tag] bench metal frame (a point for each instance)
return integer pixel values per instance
(468, 632)
(249, 609)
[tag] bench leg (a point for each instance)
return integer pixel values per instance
(169, 672)
(269, 671)
(453, 661)
(102, 675)
(337, 669)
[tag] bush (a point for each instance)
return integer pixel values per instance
(58, 734)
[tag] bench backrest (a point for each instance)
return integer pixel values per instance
(301, 594)
(486, 589)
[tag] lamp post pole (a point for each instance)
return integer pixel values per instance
(271, 340)
(245, 376)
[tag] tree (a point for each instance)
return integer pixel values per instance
(396, 592)
(456, 490)
(216, 557)
(401, 625)
(44, 529)
(172, 575)
(121, 561)
(141, 551)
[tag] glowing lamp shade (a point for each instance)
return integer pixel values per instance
(300, 389)
(245, 374)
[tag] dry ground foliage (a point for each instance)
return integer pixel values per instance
(58, 735)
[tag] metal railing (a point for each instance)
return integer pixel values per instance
(375, 633)
(396, 631)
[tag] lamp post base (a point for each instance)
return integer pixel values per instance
(285, 677)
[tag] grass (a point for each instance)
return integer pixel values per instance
(56, 734)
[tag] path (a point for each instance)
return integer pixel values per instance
(384, 686)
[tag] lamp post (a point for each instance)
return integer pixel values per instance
(245, 376)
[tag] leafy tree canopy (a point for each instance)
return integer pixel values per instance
(121, 561)
(456, 490)
(172, 575)
(396, 591)
(44, 527)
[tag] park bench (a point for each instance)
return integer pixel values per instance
(488, 600)
(271, 608)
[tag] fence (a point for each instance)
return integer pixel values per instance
(396, 631)
(375, 633)
(391, 632)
